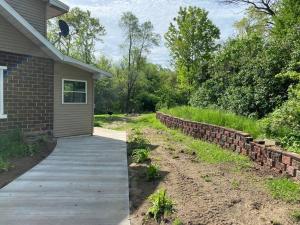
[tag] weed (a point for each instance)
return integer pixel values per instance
(274, 222)
(153, 172)
(138, 141)
(32, 149)
(177, 222)
(207, 178)
(235, 184)
(284, 189)
(162, 205)
(140, 155)
(296, 215)
(4, 165)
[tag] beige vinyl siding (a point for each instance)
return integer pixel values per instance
(72, 119)
(11, 40)
(34, 11)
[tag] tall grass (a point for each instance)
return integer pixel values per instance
(218, 117)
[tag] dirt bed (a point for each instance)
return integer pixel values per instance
(205, 194)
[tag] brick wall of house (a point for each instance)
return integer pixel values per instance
(28, 93)
(271, 156)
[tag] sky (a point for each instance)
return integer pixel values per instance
(160, 13)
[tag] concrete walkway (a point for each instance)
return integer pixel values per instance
(83, 182)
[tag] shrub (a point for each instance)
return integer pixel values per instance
(153, 172)
(137, 141)
(162, 205)
(140, 155)
(284, 122)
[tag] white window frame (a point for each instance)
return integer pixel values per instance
(2, 115)
(74, 103)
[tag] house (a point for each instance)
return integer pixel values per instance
(41, 90)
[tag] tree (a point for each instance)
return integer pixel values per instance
(192, 40)
(85, 31)
(139, 39)
(265, 6)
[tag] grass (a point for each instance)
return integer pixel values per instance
(218, 117)
(284, 189)
(101, 120)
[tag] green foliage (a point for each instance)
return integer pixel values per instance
(243, 78)
(153, 172)
(235, 184)
(284, 189)
(139, 40)
(284, 122)
(85, 30)
(217, 117)
(12, 145)
(177, 222)
(161, 205)
(140, 155)
(207, 178)
(191, 40)
(138, 141)
(4, 165)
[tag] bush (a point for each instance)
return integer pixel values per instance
(284, 122)
(140, 155)
(137, 141)
(162, 206)
(153, 172)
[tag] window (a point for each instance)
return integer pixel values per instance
(2, 115)
(74, 92)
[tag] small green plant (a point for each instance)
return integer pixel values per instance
(235, 184)
(140, 155)
(206, 178)
(4, 165)
(177, 222)
(296, 215)
(31, 149)
(162, 205)
(284, 189)
(274, 222)
(153, 172)
(138, 141)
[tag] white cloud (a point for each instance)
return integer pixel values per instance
(159, 12)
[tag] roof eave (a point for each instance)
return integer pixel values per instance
(30, 32)
(56, 8)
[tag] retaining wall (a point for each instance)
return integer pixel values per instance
(271, 156)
